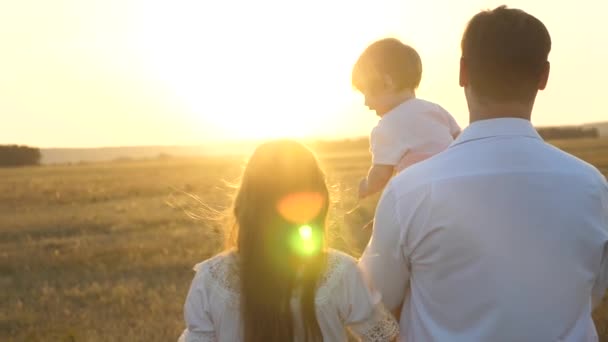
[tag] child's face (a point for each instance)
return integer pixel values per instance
(380, 99)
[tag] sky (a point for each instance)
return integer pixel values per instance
(92, 73)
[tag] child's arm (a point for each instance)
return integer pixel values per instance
(377, 178)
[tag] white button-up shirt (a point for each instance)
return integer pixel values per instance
(502, 237)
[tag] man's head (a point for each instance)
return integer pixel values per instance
(384, 72)
(504, 60)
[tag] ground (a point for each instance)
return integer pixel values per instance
(104, 252)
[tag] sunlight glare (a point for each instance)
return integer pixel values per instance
(256, 75)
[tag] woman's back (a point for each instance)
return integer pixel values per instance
(212, 309)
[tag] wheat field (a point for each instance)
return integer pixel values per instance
(104, 252)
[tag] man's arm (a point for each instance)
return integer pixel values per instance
(601, 283)
(383, 262)
(377, 178)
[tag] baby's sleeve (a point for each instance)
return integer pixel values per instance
(199, 325)
(362, 310)
(454, 127)
(386, 146)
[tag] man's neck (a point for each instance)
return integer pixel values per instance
(500, 110)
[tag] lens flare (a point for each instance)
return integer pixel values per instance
(306, 241)
(305, 232)
(301, 207)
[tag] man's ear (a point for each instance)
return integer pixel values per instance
(544, 76)
(463, 77)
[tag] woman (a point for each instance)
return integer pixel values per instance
(278, 281)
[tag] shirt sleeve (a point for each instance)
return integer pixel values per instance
(383, 262)
(199, 326)
(386, 146)
(601, 283)
(454, 127)
(362, 309)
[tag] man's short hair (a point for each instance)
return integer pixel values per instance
(387, 57)
(505, 51)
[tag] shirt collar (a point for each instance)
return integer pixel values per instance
(495, 128)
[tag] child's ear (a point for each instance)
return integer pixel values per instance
(389, 84)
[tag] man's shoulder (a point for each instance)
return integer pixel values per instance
(455, 161)
(573, 164)
(420, 175)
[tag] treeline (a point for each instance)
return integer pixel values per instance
(571, 132)
(15, 155)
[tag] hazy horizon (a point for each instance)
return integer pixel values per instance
(86, 74)
(235, 141)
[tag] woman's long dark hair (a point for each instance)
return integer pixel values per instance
(283, 189)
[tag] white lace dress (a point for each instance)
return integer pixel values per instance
(343, 301)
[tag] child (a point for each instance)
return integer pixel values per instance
(410, 130)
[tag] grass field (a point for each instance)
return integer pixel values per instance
(103, 252)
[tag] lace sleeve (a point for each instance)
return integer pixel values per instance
(362, 310)
(381, 326)
(197, 337)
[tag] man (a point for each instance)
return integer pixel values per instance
(502, 237)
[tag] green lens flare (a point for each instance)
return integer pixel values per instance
(306, 242)
(306, 232)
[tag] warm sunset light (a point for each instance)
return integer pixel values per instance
(134, 72)
(188, 170)
(276, 73)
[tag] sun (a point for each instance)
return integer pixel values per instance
(252, 73)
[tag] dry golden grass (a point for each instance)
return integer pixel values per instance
(104, 252)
